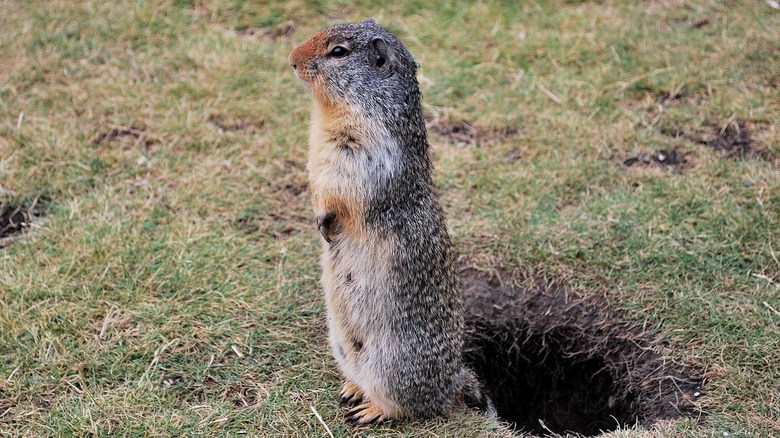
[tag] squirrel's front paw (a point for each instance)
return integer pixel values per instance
(365, 414)
(350, 394)
(326, 224)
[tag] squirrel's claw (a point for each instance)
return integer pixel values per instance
(324, 223)
(365, 414)
(350, 394)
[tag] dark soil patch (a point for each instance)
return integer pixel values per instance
(665, 98)
(227, 124)
(463, 134)
(514, 155)
(289, 199)
(732, 142)
(242, 397)
(701, 23)
(124, 136)
(190, 389)
(556, 363)
(280, 30)
(657, 159)
(460, 134)
(12, 220)
(273, 225)
(15, 218)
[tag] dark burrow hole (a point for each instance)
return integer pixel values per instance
(554, 363)
(14, 218)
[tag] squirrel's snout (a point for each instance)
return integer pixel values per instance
(293, 62)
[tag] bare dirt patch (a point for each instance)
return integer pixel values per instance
(125, 136)
(733, 141)
(670, 97)
(15, 218)
(462, 134)
(12, 220)
(279, 227)
(701, 23)
(290, 197)
(557, 363)
(215, 387)
(281, 30)
(242, 397)
(225, 124)
(663, 158)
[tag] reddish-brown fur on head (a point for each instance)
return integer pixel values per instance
(313, 47)
(304, 59)
(348, 65)
(364, 86)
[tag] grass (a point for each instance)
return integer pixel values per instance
(170, 283)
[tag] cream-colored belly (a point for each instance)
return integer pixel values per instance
(355, 281)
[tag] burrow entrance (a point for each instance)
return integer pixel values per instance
(558, 364)
(12, 220)
(15, 218)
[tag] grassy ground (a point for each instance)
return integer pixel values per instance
(168, 284)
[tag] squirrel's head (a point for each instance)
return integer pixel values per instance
(360, 66)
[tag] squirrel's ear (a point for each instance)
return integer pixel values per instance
(383, 53)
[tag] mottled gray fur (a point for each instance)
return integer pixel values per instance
(404, 308)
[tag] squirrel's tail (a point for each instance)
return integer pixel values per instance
(473, 392)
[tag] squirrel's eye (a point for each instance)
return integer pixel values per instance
(339, 52)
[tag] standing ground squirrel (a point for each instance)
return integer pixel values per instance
(393, 296)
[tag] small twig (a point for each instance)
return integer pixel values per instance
(75, 388)
(106, 322)
(770, 308)
(155, 360)
(762, 277)
(317, 414)
(772, 250)
(544, 426)
(11, 376)
(549, 93)
(20, 120)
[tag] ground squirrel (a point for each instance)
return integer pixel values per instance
(393, 296)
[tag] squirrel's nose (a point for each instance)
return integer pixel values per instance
(292, 62)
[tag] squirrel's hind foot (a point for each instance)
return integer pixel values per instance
(350, 394)
(366, 414)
